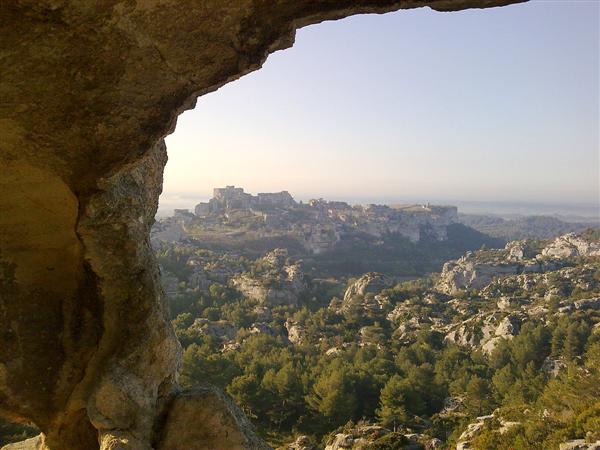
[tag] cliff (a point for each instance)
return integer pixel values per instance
(277, 282)
(319, 224)
(476, 270)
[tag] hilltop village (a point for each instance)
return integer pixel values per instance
(317, 225)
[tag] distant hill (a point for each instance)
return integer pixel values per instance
(526, 227)
(333, 238)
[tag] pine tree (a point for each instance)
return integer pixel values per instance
(392, 410)
(333, 395)
(478, 396)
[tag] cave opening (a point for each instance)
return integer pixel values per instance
(88, 351)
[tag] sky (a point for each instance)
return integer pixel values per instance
(493, 105)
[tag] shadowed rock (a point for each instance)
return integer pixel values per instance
(34, 443)
(204, 418)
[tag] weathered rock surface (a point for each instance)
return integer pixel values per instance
(34, 443)
(579, 444)
(281, 283)
(219, 329)
(357, 438)
(89, 90)
(296, 333)
(204, 418)
(475, 270)
(571, 245)
(472, 430)
(519, 250)
(475, 428)
(365, 436)
(301, 443)
(371, 282)
(485, 330)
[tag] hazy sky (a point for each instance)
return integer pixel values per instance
(496, 104)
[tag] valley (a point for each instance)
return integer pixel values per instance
(471, 349)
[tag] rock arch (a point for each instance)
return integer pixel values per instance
(88, 91)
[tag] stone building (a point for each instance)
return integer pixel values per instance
(231, 197)
(202, 209)
(281, 199)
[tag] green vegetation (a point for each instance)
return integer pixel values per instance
(395, 255)
(354, 255)
(12, 432)
(520, 357)
(354, 364)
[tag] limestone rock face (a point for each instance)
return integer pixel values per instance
(372, 282)
(206, 419)
(357, 438)
(469, 273)
(484, 330)
(471, 431)
(89, 90)
(220, 329)
(301, 443)
(366, 436)
(519, 250)
(571, 245)
(34, 443)
(281, 283)
(296, 333)
(476, 270)
(579, 444)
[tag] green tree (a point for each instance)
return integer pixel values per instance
(248, 394)
(201, 366)
(478, 396)
(285, 385)
(333, 395)
(576, 336)
(503, 380)
(392, 411)
(558, 339)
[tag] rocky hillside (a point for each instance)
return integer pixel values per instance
(500, 350)
(334, 238)
(477, 356)
(478, 269)
(275, 280)
(318, 224)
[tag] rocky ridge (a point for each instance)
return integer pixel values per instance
(280, 282)
(317, 225)
(570, 245)
(477, 269)
(370, 437)
(370, 282)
